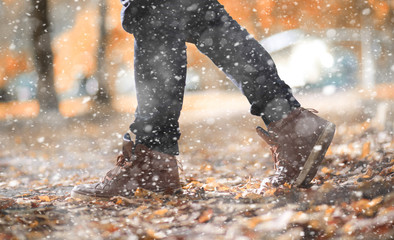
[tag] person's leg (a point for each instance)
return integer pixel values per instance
(160, 73)
(244, 60)
(299, 138)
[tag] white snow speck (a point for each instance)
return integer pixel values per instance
(317, 147)
(86, 100)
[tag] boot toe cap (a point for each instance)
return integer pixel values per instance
(88, 190)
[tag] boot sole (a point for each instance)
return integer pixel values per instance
(314, 159)
(86, 197)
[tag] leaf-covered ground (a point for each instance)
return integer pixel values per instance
(223, 164)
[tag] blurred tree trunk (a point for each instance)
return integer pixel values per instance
(103, 94)
(3, 95)
(43, 57)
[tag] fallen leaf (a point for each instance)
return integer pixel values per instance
(326, 170)
(205, 216)
(44, 198)
(252, 196)
(253, 222)
(33, 224)
(206, 167)
(366, 149)
(161, 212)
(155, 235)
(6, 203)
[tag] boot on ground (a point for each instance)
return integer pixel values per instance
(136, 167)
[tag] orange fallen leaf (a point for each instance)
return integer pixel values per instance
(205, 216)
(206, 167)
(315, 224)
(155, 235)
(252, 196)
(33, 224)
(160, 212)
(211, 180)
(375, 201)
(140, 192)
(270, 192)
(253, 222)
(44, 198)
(387, 171)
(238, 196)
(329, 211)
(193, 184)
(119, 201)
(365, 125)
(326, 170)
(223, 188)
(366, 207)
(366, 149)
(327, 186)
(348, 228)
(329, 152)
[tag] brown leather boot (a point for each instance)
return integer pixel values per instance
(151, 170)
(298, 144)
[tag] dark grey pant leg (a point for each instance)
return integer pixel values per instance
(160, 73)
(245, 61)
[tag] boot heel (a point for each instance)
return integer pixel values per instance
(316, 156)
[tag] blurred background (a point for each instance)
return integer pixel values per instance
(74, 56)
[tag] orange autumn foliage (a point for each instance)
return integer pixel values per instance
(75, 50)
(12, 64)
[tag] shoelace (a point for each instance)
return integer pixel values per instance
(180, 165)
(120, 160)
(275, 156)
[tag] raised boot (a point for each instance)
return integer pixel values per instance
(141, 168)
(298, 144)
